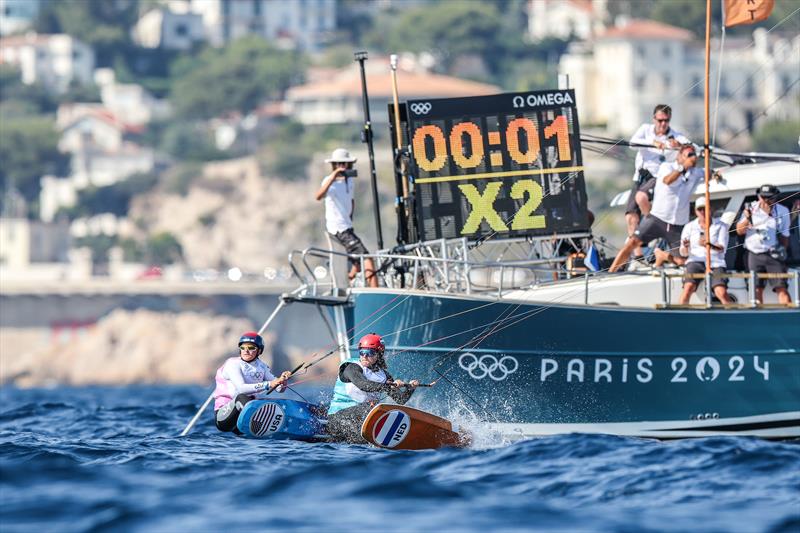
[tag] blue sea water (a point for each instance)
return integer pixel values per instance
(110, 459)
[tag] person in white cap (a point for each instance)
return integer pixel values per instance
(693, 246)
(765, 227)
(337, 191)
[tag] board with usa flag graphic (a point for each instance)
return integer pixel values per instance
(280, 419)
(404, 428)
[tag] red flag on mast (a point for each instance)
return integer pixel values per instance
(738, 12)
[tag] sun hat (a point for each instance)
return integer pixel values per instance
(341, 155)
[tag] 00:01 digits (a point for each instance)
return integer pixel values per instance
(522, 153)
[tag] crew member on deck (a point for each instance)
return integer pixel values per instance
(337, 190)
(359, 388)
(662, 142)
(670, 212)
(693, 245)
(765, 225)
(241, 379)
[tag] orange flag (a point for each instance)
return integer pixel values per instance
(739, 12)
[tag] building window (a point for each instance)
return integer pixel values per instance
(640, 82)
(667, 81)
(667, 50)
(181, 30)
(640, 51)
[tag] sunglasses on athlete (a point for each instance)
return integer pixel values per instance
(662, 119)
(368, 352)
(248, 347)
(691, 154)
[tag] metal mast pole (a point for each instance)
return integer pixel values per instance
(402, 187)
(366, 137)
(706, 146)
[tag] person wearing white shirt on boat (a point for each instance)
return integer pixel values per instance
(337, 191)
(241, 379)
(662, 143)
(670, 212)
(693, 246)
(765, 225)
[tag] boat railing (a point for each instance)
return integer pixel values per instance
(447, 269)
(752, 278)
(423, 271)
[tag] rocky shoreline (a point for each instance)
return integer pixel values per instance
(136, 347)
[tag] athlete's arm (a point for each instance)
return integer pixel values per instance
(234, 374)
(353, 373)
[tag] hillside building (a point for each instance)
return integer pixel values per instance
(334, 97)
(620, 75)
(55, 61)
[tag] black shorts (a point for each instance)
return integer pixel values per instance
(654, 228)
(717, 274)
(649, 186)
(766, 263)
(350, 241)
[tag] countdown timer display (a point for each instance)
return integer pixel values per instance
(506, 165)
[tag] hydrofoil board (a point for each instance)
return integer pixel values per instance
(404, 428)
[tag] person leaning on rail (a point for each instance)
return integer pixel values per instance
(693, 246)
(337, 190)
(670, 212)
(662, 143)
(765, 225)
(242, 379)
(359, 388)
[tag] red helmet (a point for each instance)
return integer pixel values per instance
(252, 337)
(372, 341)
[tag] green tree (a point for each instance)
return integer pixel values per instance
(28, 150)
(238, 77)
(190, 141)
(18, 99)
(132, 251)
(103, 25)
(449, 30)
(99, 245)
(114, 198)
(163, 249)
(779, 136)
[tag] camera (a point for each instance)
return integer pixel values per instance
(350, 173)
(778, 253)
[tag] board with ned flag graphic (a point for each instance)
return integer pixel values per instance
(404, 428)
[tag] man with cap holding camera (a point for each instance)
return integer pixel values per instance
(337, 190)
(693, 246)
(765, 225)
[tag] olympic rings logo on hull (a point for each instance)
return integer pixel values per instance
(488, 365)
(421, 108)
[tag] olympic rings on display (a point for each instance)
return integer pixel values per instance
(421, 108)
(488, 365)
